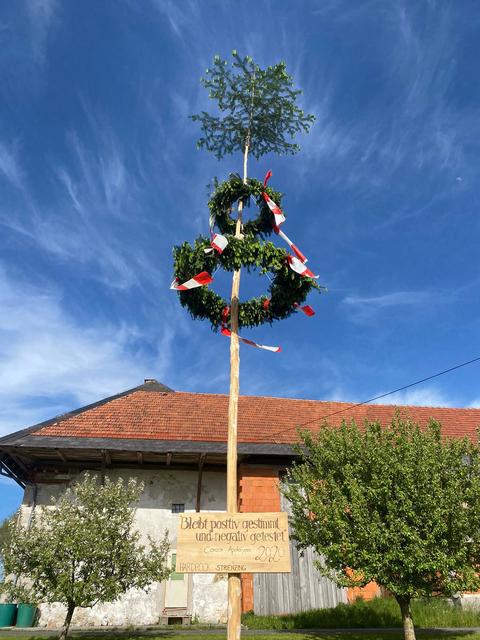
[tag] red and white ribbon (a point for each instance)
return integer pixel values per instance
(200, 280)
(268, 175)
(219, 243)
(307, 309)
(293, 247)
(299, 267)
(274, 208)
(226, 332)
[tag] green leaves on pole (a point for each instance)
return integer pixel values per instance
(256, 106)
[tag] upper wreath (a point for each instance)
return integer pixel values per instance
(233, 190)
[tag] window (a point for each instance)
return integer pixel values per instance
(174, 575)
(178, 507)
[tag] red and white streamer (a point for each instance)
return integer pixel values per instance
(226, 332)
(292, 246)
(274, 208)
(200, 280)
(219, 243)
(299, 267)
(307, 309)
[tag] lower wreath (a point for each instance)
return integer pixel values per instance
(287, 288)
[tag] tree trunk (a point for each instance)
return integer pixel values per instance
(66, 624)
(408, 628)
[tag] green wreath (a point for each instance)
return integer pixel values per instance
(227, 193)
(287, 288)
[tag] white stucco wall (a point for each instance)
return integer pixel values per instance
(207, 593)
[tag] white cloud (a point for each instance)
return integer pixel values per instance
(182, 17)
(390, 299)
(367, 307)
(47, 359)
(41, 15)
(97, 202)
(10, 167)
(422, 131)
(420, 397)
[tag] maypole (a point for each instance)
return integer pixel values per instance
(234, 579)
(257, 112)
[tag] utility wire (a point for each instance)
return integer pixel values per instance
(383, 395)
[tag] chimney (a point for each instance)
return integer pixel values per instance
(150, 380)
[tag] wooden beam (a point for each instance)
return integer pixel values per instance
(103, 466)
(201, 462)
(6, 471)
(61, 455)
(18, 462)
(139, 457)
(169, 458)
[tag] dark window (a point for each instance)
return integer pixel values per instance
(178, 507)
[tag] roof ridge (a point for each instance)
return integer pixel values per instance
(353, 405)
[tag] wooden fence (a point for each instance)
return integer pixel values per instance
(302, 589)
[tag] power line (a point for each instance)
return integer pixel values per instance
(383, 395)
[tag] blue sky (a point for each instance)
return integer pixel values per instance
(100, 177)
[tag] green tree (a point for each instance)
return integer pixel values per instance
(396, 505)
(5, 532)
(84, 550)
(258, 109)
(4, 539)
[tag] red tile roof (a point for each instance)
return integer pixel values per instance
(144, 414)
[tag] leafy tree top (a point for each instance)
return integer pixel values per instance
(257, 109)
(396, 505)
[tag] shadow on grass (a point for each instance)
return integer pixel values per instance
(220, 634)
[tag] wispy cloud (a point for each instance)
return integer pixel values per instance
(41, 15)
(420, 131)
(420, 397)
(367, 307)
(10, 168)
(97, 202)
(49, 362)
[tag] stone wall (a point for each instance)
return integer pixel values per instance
(207, 594)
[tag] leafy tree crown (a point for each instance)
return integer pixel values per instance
(85, 549)
(257, 108)
(398, 505)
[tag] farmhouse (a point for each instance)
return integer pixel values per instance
(176, 443)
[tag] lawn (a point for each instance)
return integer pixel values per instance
(381, 612)
(371, 616)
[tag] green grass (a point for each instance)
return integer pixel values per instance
(345, 635)
(381, 612)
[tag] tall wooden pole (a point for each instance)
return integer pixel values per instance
(234, 584)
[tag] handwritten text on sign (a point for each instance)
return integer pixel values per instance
(233, 543)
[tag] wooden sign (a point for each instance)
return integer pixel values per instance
(233, 543)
